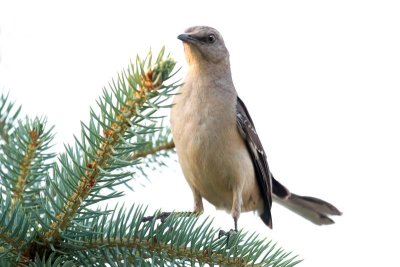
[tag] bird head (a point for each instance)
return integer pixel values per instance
(204, 43)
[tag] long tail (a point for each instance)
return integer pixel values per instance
(313, 209)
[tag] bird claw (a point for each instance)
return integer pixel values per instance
(161, 216)
(229, 234)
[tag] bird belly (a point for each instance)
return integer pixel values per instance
(218, 169)
(212, 154)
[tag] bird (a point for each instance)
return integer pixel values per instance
(218, 148)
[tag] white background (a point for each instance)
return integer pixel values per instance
(320, 78)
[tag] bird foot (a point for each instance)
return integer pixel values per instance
(229, 234)
(164, 215)
(161, 216)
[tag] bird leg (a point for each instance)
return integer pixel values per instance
(236, 209)
(198, 202)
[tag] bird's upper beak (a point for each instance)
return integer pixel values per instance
(187, 38)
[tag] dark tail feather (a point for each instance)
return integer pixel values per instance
(266, 218)
(311, 208)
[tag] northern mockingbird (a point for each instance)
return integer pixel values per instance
(218, 147)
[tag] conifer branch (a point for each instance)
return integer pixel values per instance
(53, 260)
(26, 156)
(148, 82)
(184, 240)
(201, 256)
(153, 150)
(8, 114)
(25, 164)
(9, 239)
(13, 228)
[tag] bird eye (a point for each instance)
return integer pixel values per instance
(211, 38)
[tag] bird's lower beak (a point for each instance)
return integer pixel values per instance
(187, 38)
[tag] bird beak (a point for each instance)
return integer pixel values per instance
(187, 38)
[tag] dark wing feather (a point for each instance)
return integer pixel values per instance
(311, 208)
(258, 157)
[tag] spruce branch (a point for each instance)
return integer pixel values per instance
(26, 154)
(132, 93)
(8, 115)
(153, 150)
(185, 240)
(27, 159)
(54, 260)
(14, 228)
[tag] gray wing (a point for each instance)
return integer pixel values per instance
(258, 157)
